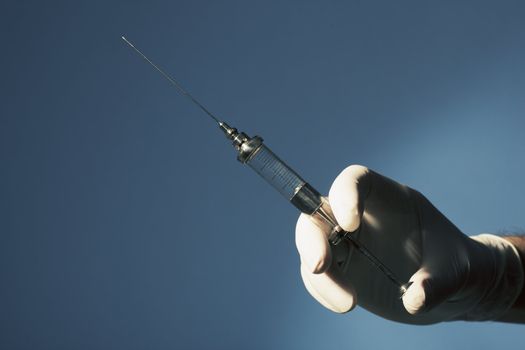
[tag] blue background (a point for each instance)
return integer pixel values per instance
(125, 220)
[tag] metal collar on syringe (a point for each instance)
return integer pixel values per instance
(246, 145)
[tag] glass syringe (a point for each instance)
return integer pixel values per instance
(254, 153)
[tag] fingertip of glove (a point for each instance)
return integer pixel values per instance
(348, 219)
(414, 299)
(420, 295)
(312, 245)
(347, 195)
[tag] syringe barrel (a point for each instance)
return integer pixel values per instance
(284, 179)
(287, 182)
(272, 169)
(253, 152)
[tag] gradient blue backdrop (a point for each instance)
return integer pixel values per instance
(127, 223)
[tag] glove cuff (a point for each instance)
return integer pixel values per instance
(505, 286)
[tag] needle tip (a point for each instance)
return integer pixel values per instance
(126, 40)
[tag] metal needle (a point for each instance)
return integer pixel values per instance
(172, 81)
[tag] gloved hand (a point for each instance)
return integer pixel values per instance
(453, 276)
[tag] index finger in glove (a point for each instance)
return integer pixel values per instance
(347, 196)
